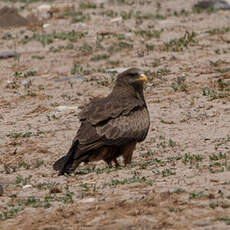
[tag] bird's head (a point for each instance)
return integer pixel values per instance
(133, 77)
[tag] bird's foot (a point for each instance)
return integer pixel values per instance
(116, 163)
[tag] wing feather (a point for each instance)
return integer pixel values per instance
(125, 128)
(116, 131)
(100, 110)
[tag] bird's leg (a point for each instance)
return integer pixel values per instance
(116, 163)
(86, 162)
(127, 161)
(127, 158)
(128, 152)
(109, 163)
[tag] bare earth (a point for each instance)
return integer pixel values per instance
(179, 177)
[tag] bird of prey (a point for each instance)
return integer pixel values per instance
(110, 126)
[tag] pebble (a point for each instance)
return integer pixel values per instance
(116, 19)
(63, 108)
(75, 77)
(215, 4)
(88, 200)
(118, 70)
(27, 186)
(45, 25)
(26, 83)
(8, 54)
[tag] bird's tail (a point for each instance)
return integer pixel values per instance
(64, 164)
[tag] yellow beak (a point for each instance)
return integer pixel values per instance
(142, 78)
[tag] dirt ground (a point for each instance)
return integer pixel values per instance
(179, 177)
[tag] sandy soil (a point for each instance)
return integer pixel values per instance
(179, 177)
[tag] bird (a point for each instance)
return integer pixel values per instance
(110, 126)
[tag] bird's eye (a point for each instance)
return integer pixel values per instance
(133, 74)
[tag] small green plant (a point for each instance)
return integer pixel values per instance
(17, 135)
(167, 172)
(178, 190)
(10, 212)
(60, 48)
(179, 85)
(126, 15)
(85, 187)
(182, 12)
(214, 204)
(25, 74)
(149, 16)
(225, 219)
(77, 69)
(133, 179)
(147, 154)
(48, 38)
(148, 34)
(78, 18)
(87, 5)
(197, 195)
(216, 157)
(212, 94)
(222, 30)
(180, 44)
(150, 47)
(167, 122)
(99, 57)
(192, 158)
(224, 70)
(86, 48)
(7, 36)
(199, 10)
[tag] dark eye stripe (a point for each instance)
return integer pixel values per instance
(133, 74)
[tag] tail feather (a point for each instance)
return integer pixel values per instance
(73, 158)
(59, 164)
(63, 164)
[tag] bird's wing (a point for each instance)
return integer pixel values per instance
(108, 121)
(100, 110)
(87, 137)
(125, 128)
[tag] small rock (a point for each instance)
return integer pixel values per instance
(99, 1)
(1, 190)
(8, 54)
(44, 8)
(215, 4)
(97, 219)
(26, 83)
(9, 81)
(27, 186)
(74, 77)
(55, 190)
(61, 7)
(118, 70)
(43, 11)
(9, 17)
(116, 19)
(45, 26)
(88, 200)
(63, 108)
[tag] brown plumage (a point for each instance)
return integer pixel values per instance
(110, 126)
